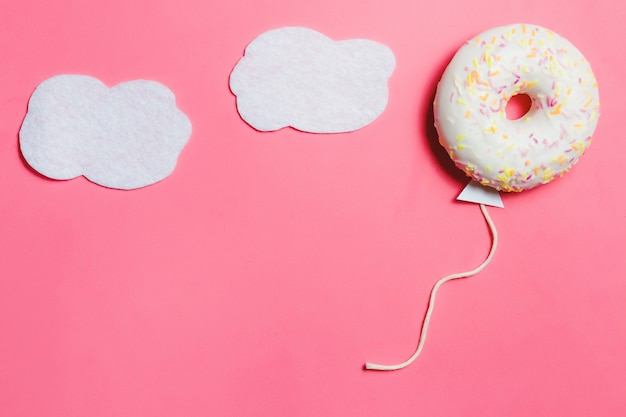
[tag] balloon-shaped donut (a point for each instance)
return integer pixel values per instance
(469, 107)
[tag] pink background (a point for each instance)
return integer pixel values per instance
(260, 276)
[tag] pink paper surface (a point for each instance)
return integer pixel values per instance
(259, 277)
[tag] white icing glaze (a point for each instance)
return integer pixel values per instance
(469, 107)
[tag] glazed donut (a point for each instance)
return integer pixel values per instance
(469, 107)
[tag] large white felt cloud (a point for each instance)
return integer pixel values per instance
(128, 136)
(297, 77)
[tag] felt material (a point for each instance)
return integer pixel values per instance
(128, 136)
(298, 77)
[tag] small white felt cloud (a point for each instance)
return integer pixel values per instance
(298, 77)
(128, 136)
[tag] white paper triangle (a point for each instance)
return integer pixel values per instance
(474, 192)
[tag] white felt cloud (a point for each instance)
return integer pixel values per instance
(128, 136)
(297, 77)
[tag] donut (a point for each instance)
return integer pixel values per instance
(471, 98)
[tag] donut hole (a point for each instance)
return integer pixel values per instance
(518, 106)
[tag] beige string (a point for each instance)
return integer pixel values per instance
(433, 294)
